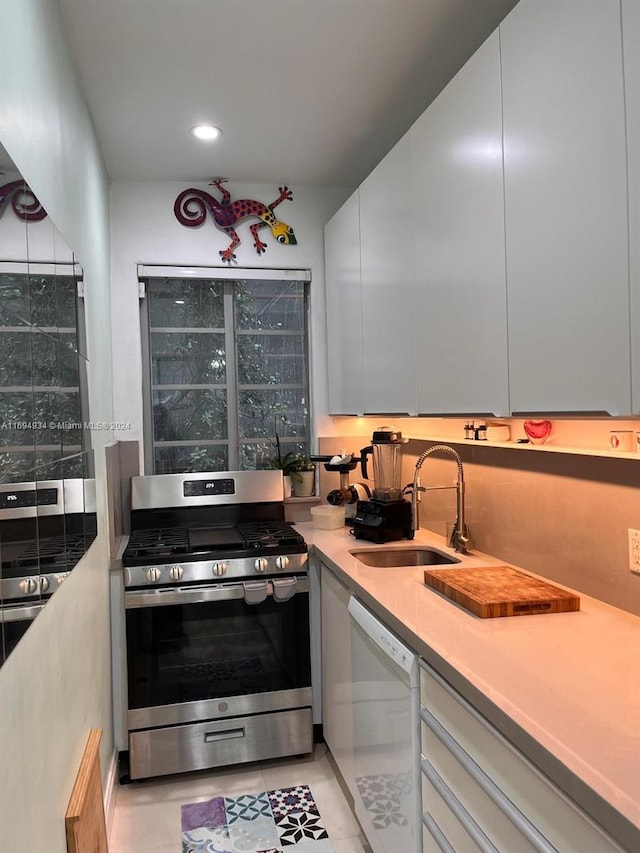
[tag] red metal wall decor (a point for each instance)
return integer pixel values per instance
(191, 207)
(23, 201)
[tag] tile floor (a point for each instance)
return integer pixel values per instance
(147, 814)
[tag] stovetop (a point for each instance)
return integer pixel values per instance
(180, 544)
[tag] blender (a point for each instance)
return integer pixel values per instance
(386, 516)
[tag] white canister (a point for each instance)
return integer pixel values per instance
(622, 440)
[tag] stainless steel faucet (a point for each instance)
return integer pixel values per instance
(460, 536)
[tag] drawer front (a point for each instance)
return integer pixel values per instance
(486, 814)
(446, 820)
(549, 810)
(177, 749)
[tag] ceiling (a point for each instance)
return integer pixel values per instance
(310, 92)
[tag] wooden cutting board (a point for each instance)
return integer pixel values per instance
(85, 820)
(493, 591)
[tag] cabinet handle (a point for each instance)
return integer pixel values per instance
(465, 819)
(509, 810)
(437, 834)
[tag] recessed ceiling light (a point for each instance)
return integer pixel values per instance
(206, 131)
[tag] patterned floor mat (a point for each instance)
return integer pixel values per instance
(285, 820)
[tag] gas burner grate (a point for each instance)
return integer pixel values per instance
(54, 553)
(262, 534)
(159, 542)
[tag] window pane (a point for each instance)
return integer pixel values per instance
(176, 460)
(271, 360)
(189, 415)
(264, 454)
(270, 305)
(182, 303)
(261, 411)
(16, 416)
(188, 359)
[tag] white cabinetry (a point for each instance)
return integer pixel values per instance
(458, 233)
(479, 793)
(337, 694)
(344, 309)
(566, 207)
(631, 40)
(387, 228)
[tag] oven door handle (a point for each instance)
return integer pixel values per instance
(20, 612)
(197, 595)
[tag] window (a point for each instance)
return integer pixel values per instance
(42, 374)
(226, 363)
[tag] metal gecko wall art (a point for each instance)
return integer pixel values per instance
(24, 203)
(191, 208)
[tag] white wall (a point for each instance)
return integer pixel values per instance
(145, 230)
(56, 685)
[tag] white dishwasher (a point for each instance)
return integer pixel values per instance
(386, 735)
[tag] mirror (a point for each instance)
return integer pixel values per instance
(47, 491)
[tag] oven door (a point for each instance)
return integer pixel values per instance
(197, 653)
(14, 622)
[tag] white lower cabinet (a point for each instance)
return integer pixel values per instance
(480, 793)
(337, 688)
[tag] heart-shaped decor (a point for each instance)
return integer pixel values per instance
(537, 431)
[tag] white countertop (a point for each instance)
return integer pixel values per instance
(570, 681)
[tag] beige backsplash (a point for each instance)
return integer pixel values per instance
(563, 516)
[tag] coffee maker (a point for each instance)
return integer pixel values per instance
(387, 515)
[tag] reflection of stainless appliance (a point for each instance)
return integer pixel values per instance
(387, 515)
(45, 528)
(43, 534)
(348, 494)
(217, 623)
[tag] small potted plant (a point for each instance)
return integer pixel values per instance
(302, 472)
(298, 469)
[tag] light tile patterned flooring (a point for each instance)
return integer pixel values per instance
(147, 814)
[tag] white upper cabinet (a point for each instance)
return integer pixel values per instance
(631, 43)
(458, 234)
(344, 309)
(388, 285)
(566, 207)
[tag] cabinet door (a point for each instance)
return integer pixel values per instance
(337, 696)
(631, 40)
(388, 285)
(566, 207)
(458, 225)
(344, 309)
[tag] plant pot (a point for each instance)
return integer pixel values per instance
(287, 485)
(302, 484)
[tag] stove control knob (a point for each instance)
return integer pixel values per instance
(282, 563)
(61, 578)
(176, 572)
(44, 584)
(28, 586)
(219, 569)
(153, 574)
(261, 564)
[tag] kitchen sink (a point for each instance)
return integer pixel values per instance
(385, 558)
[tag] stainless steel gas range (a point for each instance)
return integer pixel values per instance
(217, 623)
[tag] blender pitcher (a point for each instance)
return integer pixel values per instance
(386, 449)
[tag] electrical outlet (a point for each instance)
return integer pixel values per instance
(634, 550)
